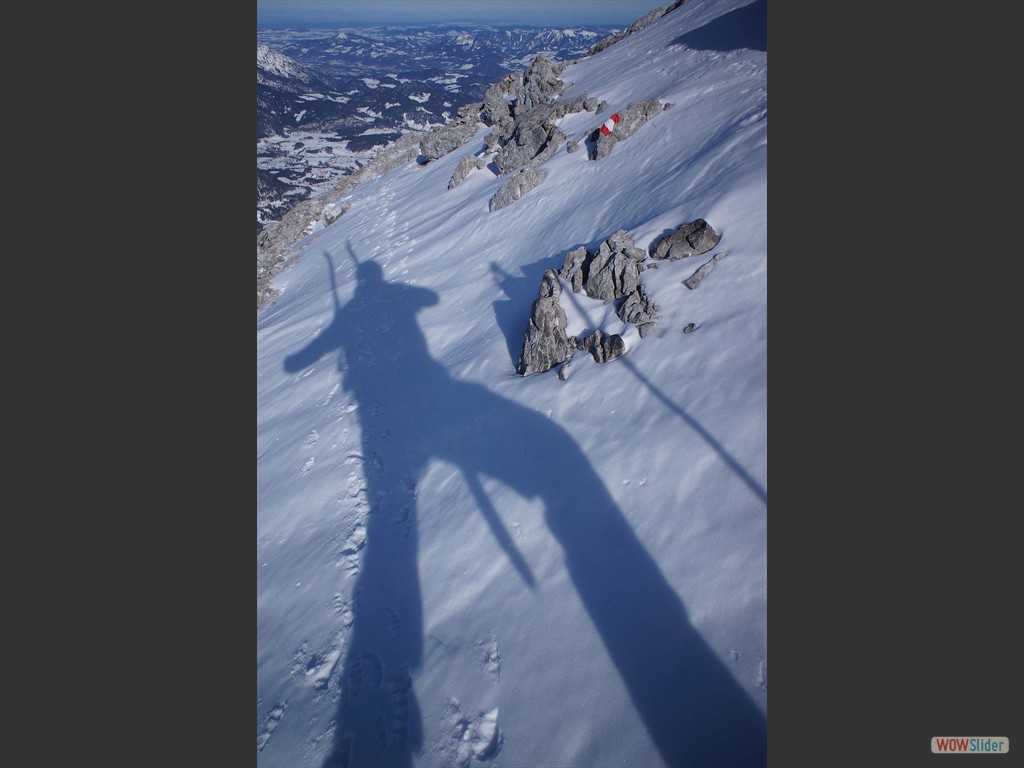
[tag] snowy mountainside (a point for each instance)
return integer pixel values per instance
(327, 103)
(274, 66)
(459, 565)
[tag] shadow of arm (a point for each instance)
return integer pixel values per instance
(498, 529)
(308, 355)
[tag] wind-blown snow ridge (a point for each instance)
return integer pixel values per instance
(458, 565)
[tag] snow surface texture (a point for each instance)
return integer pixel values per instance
(457, 565)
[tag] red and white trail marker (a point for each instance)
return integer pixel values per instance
(609, 125)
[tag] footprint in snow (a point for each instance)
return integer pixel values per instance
(477, 737)
(321, 664)
(491, 658)
(270, 725)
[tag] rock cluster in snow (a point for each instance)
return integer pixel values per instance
(523, 115)
(611, 273)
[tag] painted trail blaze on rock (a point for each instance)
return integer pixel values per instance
(609, 125)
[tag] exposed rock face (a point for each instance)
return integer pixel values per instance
(630, 119)
(691, 239)
(602, 348)
(638, 309)
(467, 164)
(334, 212)
(703, 271)
(611, 273)
(517, 186)
(440, 141)
(572, 267)
(546, 344)
(496, 109)
(523, 140)
(524, 128)
(554, 141)
(540, 85)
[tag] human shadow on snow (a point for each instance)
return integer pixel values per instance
(412, 412)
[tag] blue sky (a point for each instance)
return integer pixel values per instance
(276, 13)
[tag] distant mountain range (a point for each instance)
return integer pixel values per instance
(327, 101)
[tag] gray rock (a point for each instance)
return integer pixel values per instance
(496, 109)
(691, 239)
(572, 268)
(332, 213)
(630, 119)
(545, 344)
(467, 164)
(440, 141)
(572, 146)
(590, 104)
(540, 85)
(604, 145)
(527, 138)
(563, 372)
(703, 271)
(517, 186)
(554, 141)
(613, 272)
(602, 348)
(610, 273)
(691, 327)
(638, 308)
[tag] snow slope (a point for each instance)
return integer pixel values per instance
(457, 564)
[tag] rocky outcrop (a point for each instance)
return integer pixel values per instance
(466, 165)
(612, 272)
(541, 85)
(691, 239)
(442, 140)
(524, 116)
(546, 344)
(516, 187)
(602, 348)
(703, 271)
(630, 119)
(333, 212)
(496, 109)
(639, 309)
